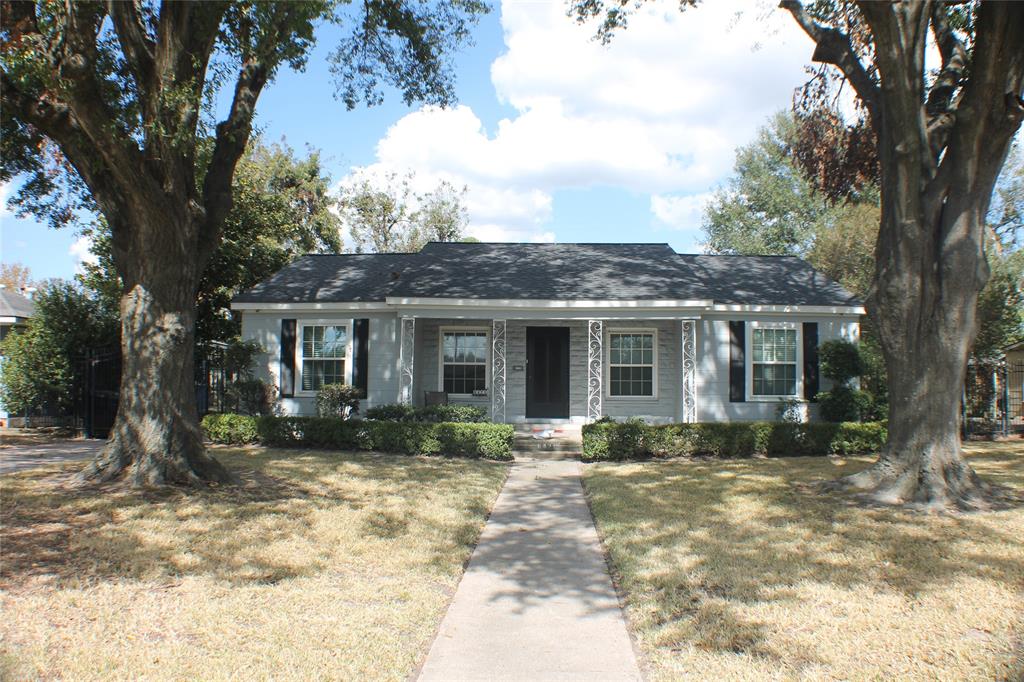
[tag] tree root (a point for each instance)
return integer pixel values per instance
(144, 466)
(956, 488)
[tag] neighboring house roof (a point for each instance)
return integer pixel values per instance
(1014, 347)
(551, 272)
(15, 305)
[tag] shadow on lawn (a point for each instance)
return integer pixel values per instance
(63, 532)
(698, 539)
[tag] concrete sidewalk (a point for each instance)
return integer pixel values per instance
(21, 456)
(536, 602)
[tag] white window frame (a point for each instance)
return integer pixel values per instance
(441, 331)
(749, 356)
(608, 363)
(299, 365)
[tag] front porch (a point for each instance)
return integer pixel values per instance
(551, 369)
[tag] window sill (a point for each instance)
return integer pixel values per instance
(776, 399)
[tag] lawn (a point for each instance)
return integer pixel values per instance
(321, 566)
(734, 570)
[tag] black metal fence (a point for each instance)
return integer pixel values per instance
(993, 403)
(101, 369)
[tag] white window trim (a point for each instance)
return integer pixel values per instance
(440, 359)
(301, 325)
(749, 355)
(608, 363)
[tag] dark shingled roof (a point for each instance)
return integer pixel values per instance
(550, 271)
(13, 304)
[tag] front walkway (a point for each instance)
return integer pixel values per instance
(536, 602)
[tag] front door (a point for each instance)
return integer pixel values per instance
(547, 372)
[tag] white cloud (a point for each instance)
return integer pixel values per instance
(658, 112)
(6, 189)
(80, 250)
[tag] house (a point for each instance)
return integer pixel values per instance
(551, 331)
(15, 310)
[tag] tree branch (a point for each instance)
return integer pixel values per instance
(232, 137)
(139, 50)
(940, 105)
(832, 46)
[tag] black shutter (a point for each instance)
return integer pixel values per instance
(810, 360)
(288, 328)
(360, 355)
(737, 361)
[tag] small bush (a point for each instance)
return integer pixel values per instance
(464, 414)
(844, 404)
(492, 441)
(250, 396)
(231, 429)
(636, 440)
(840, 361)
(337, 400)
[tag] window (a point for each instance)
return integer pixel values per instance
(774, 361)
(463, 361)
(324, 347)
(631, 364)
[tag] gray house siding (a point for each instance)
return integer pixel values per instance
(711, 373)
(382, 365)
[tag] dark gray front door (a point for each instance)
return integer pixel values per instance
(547, 372)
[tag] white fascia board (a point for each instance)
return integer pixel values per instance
(791, 309)
(307, 306)
(548, 304)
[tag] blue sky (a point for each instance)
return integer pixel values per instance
(556, 137)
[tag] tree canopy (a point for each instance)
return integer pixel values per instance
(389, 217)
(109, 105)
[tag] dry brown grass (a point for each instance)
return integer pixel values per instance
(323, 566)
(734, 571)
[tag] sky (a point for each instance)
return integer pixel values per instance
(556, 137)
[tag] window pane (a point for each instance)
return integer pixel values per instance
(465, 362)
(318, 373)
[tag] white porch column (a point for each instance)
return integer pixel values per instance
(407, 349)
(688, 383)
(595, 368)
(498, 371)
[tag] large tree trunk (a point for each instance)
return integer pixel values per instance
(931, 265)
(156, 438)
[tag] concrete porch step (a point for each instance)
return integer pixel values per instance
(546, 446)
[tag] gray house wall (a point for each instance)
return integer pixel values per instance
(711, 374)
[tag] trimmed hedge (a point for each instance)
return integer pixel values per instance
(636, 440)
(231, 429)
(491, 441)
(466, 414)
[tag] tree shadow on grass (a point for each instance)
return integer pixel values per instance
(261, 531)
(698, 543)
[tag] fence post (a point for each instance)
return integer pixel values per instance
(1005, 372)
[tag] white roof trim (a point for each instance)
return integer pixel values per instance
(662, 306)
(786, 309)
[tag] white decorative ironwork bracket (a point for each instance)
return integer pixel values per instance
(498, 328)
(688, 338)
(407, 348)
(595, 368)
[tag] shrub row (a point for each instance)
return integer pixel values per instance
(491, 441)
(430, 413)
(636, 440)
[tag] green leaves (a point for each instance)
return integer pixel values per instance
(405, 44)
